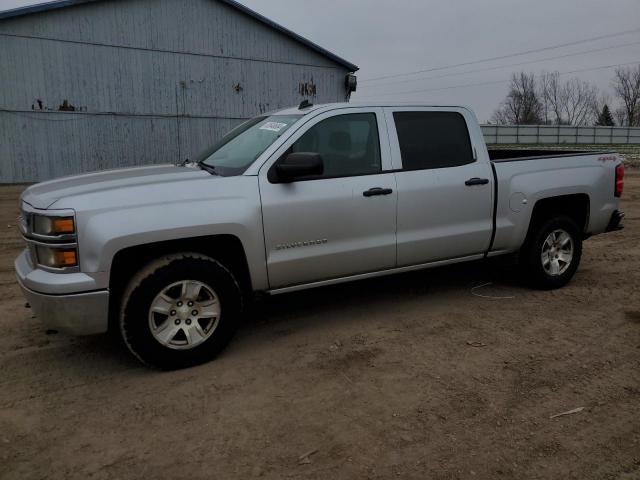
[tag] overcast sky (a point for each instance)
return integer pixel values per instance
(387, 37)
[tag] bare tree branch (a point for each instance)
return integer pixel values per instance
(570, 103)
(627, 87)
(521, 106)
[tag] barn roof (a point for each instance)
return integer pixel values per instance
(53, 5)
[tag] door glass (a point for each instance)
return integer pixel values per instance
(432, 139)
(349, 144)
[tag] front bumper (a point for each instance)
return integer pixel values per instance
(68, 305)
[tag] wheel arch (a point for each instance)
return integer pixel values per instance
(575, 206)
(127, 261)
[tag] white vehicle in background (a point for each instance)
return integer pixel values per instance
(300, 198)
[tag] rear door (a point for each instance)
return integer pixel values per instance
(339, 223)
(444, 192)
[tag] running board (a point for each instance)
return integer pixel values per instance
(380, 273)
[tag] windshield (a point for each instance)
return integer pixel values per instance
(237, 150)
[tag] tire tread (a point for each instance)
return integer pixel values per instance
(145, 273)
(531, 267)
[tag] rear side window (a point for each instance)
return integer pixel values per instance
(349, 144)
(432, 139)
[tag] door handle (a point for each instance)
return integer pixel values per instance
(476, 181)
(377, 191)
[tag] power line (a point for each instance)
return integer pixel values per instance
(501, 57)
(495, 82)
(504, 66)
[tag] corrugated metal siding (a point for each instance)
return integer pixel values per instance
(196, 26)
(154, 80)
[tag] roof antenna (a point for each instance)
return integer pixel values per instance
(305, 104)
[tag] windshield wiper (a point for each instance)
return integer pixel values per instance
(208, 168)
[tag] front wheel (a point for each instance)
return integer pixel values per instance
(551, 255)
(180, 311)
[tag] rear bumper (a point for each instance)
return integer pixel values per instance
(66, 306)
(615, 223)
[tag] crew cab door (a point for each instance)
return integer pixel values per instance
(341, 222)
(444, 191)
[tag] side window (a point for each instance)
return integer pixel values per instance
(432, 139)
(349, 144)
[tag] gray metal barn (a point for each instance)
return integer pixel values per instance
(96, 84)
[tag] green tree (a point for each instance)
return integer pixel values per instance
(604, 117)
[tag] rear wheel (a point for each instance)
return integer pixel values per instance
(551, 254)
(180, 310)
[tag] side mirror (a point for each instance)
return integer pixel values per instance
(298, 165)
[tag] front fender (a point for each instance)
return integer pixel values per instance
(105, 233)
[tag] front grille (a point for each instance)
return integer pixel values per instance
(24, 222)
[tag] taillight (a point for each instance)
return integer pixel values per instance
(619, 180)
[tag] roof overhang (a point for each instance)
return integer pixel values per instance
(54, 5)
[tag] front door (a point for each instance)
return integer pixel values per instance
(339, 223)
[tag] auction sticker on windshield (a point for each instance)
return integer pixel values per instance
(273, 126)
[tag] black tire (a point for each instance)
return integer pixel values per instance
(531, 262)
(153, 279)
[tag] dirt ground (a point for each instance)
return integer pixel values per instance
(409, 376)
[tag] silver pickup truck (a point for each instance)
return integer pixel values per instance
(167, 255)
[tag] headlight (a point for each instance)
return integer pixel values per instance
(49, 226)
(52, 238)
(57, 257)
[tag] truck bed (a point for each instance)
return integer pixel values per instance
(550, 173)
(508, 155)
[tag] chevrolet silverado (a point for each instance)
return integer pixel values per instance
(167, 255)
